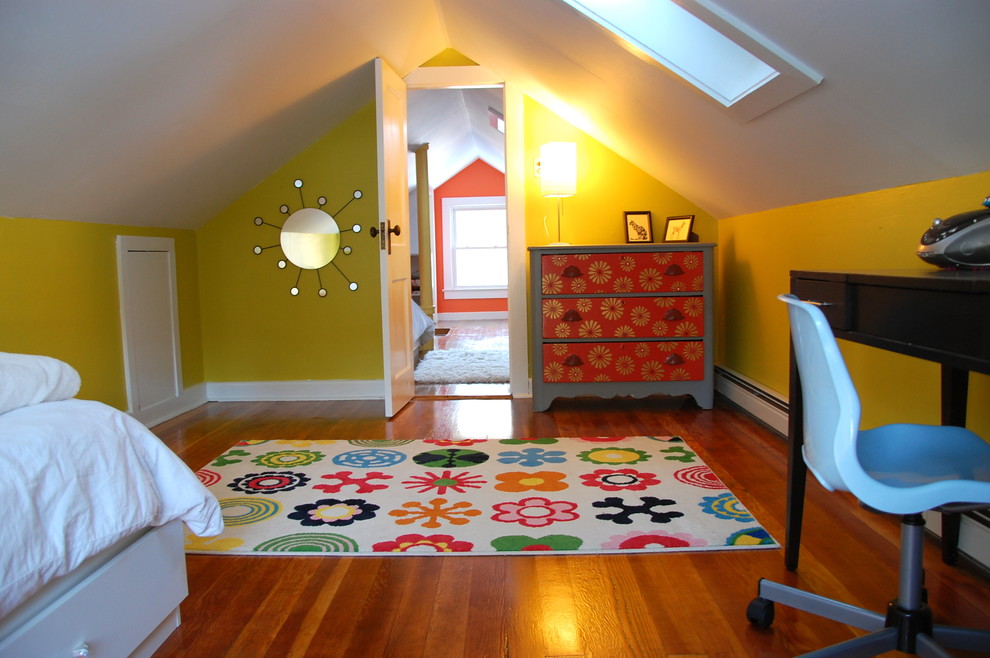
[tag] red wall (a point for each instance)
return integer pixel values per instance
(477, 179)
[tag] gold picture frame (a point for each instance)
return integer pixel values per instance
(678, 228)
(639, 226)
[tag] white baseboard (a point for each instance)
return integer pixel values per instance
(188, 400)
(763, 403)
(330, 389)
(974, 537)
(478, 315)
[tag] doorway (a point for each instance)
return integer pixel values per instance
(462, 132)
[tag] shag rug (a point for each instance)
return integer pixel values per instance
(563, 495)
(463, 367)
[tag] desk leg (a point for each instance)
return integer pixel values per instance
(797, 472)
(955, 393)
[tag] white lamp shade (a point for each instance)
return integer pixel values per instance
(558, 168)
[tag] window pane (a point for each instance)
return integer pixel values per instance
(481, 268)
(479, 227)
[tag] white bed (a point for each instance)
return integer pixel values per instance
(423, 331)
(91, 551)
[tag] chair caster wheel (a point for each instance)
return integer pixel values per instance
(760, 612)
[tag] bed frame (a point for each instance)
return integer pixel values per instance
(122, 602)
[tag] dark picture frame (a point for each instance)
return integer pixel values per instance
(678, 228)
(639, 226)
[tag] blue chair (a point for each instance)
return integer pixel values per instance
(900, 469)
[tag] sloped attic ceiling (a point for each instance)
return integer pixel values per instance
(161, 114)
(454, 122)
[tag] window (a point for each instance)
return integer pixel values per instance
(475, 247)
(709, 48)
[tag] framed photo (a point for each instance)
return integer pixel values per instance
(678, 228)
(639, 226)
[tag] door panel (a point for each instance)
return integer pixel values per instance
(393, 204)
(149, 318)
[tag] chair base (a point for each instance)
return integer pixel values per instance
(910, 631)
(907, 626)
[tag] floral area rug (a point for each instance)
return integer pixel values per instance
(565, 495)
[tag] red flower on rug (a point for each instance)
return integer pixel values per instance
(535, 512)
(642, 539)
(423, 544)
(458, 482)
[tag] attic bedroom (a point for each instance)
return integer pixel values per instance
(190, 133)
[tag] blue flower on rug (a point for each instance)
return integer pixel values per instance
(726, 506)
(269, 482)
(532, 457)
(626, 511)
(369, 458)
(334, 512)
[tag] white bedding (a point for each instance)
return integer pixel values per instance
(421, 322)
(76, 476)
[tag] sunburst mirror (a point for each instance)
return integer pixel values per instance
(310, 239)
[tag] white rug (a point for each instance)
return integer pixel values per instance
(463, 367)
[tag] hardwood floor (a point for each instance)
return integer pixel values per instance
(469, 335)
(686, 604)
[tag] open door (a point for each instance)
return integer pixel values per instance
(393, 234)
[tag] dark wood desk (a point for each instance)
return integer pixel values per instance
(938, 315)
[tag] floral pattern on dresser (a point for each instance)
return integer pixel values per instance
(623, 317)
(622, 273)
(624, 362)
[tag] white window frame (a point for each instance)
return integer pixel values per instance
(449, 207)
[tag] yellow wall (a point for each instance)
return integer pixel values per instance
(58, 295)
(607, 186)
(253, 329)
(875, 230)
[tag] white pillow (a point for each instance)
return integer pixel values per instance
(27, 379)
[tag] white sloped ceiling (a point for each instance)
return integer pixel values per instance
(160, 114)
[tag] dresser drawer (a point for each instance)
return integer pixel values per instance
(642, 361)
(622, 273)
(623, 317)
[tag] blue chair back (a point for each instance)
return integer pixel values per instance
(831, 404)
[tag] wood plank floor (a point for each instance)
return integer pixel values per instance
(610, 605)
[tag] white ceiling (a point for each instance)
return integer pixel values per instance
(161, 114)
(454, 122)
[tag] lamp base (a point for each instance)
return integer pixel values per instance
(559, 244)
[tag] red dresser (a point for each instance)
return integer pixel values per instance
(613, 320)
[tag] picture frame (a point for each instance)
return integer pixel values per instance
(678, 228)
(639, 226)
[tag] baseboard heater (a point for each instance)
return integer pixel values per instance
(762, 403)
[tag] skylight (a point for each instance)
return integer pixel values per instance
(708, 48)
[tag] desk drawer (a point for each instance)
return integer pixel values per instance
(832, 296)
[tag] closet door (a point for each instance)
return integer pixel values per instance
(150, 320)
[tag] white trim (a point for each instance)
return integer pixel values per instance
(974, 538)
(135, 243)
(520, 384)
(187, 400)
(448, 208)
(475, 293)
(310, 389)
(763, 403)
(472, 315)
(452, 77)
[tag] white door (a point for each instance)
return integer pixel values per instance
(149, 320)
(393, 214)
